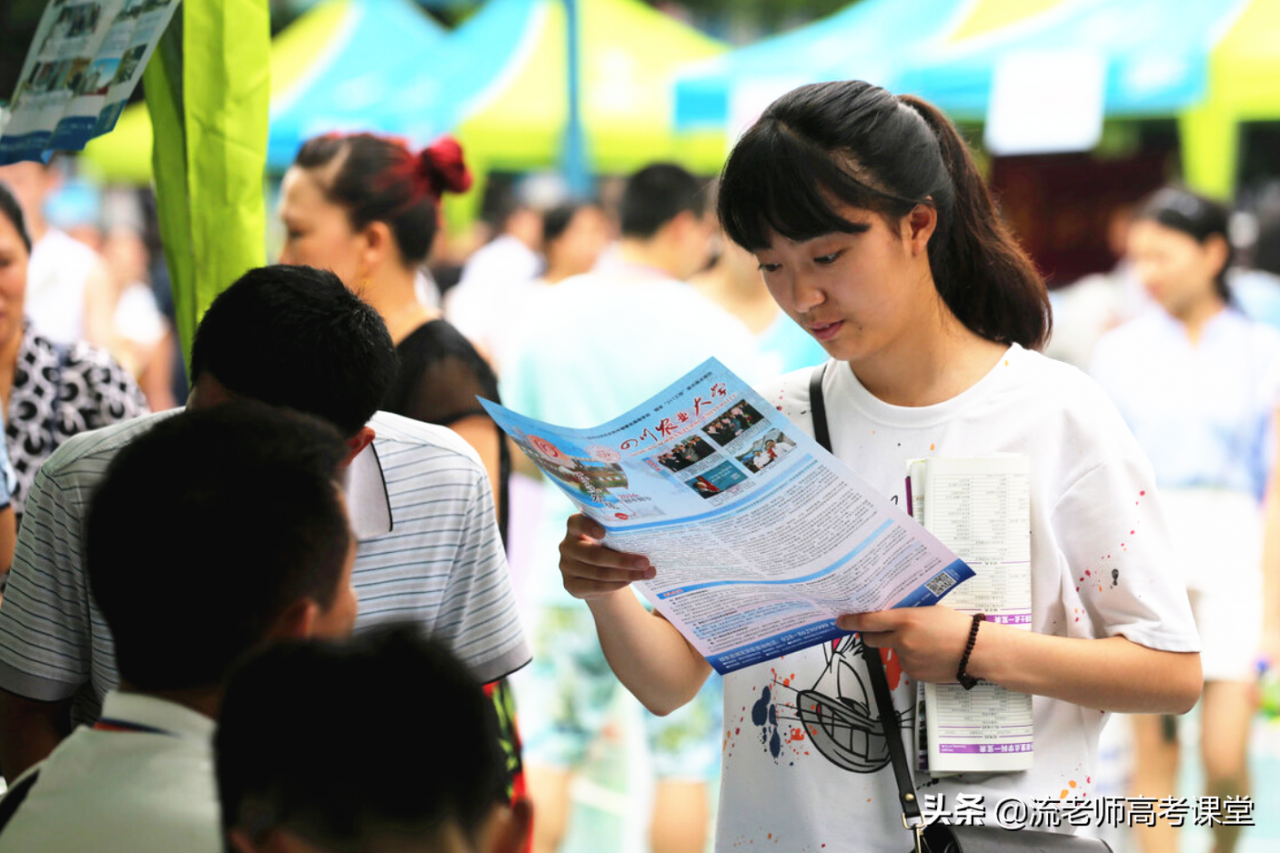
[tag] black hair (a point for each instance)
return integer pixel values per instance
(295, 336)
(1194, 215)
(378, 179)
(205, 529)
(338, 741)
(657, 194)
(556, 221)
(13, 212)
(827, 144)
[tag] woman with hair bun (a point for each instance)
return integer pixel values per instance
(367, 207)
(875, 232)
(1199, 385)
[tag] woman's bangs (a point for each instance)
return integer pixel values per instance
(775, 183)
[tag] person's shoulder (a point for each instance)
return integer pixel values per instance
(65, 248)
(95, 448)
(395, 434)
(1056, 383)
(92, 361)
(1151, 324)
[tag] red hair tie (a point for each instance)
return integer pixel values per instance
(441, 166)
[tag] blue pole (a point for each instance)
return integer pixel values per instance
(574, 165)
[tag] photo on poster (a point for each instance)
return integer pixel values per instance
(688, 452)
(736, 420)
(769, 448)
(718, 480)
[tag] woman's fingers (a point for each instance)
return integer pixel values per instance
(589, 568)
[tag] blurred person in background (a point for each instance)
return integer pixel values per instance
(1085, 310)
(141, 338)
(367, 208)
(575, 235)
(1199, 385)
(507, 261)
(49, 391)
(421, 770)
(68, 290)
(585, 354)
(735, 284)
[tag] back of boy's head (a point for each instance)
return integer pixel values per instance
(348, 745)
(657, 194)
(295, 336)
(205, 530)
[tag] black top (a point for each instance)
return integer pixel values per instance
(440, 376)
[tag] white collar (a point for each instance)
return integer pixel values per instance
(167, 717)
(367, 498)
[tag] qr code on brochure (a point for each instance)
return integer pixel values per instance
(940, 583)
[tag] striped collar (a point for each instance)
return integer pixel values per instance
(134, 712)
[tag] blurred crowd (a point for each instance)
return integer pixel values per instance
(567, 309)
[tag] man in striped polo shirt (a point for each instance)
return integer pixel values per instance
(420, 503)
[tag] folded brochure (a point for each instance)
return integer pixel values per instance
(759, 536)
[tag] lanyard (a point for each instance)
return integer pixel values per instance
(106, 724)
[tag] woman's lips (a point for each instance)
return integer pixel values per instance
(825, 331)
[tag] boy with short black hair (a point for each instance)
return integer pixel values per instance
(384, 742)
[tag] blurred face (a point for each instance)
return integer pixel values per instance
(859, 293)
(1176, 269)
(318, 232)
(695, 234)
(578, 248)
(30, 183)
(13, 281)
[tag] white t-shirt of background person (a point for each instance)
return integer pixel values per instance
(594, 346)
(479, 303)
(56, 275)
(803, 769)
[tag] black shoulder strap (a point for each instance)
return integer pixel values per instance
(871, 656)
(14, 797)
(818, 407)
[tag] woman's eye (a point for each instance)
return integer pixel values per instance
(826, 260)
(770, 267)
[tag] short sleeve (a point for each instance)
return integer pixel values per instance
(45, 626)
(1116, 542)
(478, 616)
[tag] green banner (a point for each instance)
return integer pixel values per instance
(207, 90)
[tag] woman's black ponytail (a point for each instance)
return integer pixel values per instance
(981, 271)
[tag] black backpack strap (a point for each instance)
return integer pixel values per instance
(911, 818)
(818, 408)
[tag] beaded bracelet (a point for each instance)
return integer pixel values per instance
(967, 681)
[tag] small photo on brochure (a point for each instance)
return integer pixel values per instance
(736, 420)
(765, 451)
(688, 452)
(129, 63)
(718, 480)
(98, 77)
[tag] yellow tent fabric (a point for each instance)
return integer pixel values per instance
(124, 154)
(629, 54)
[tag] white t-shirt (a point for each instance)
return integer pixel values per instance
(56, 276)
(1100, 557)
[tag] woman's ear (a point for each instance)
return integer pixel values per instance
(918, 226)
(1217, 251)
(377, 246)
